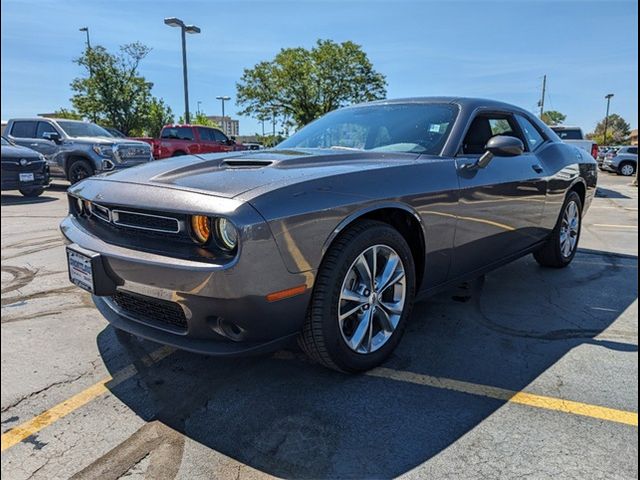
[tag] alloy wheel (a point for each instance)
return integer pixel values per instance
(570, 229)
(627, 170)
(372, 299)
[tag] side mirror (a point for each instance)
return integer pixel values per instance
(231, 141)
(52, 136)
(500, 146)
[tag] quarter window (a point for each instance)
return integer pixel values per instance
(633, 150)
(23, 129)
(531, 133)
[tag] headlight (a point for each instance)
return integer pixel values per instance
(103, 150)
(226, 234)
(201, 229)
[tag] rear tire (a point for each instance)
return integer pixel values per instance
(380, 306)
(32, 192)
(562, 244)
(79, 170)
(627, 169)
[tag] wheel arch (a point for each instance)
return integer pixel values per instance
(401, 217)
(580, 187)
(72, 157)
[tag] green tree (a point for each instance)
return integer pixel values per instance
(113, 93)
(158, 115)
(200, 118)
(300, 85)
(618, 131)
(553, 117)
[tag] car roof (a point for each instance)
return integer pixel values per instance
(36, 119)
(463, 102)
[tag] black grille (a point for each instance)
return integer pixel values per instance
(147, 222)
(152, 310)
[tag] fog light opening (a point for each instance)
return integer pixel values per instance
(231, 330)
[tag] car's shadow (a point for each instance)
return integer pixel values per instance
(608, 193)
(7, 199)
(290, 418)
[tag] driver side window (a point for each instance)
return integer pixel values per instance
(485, 126)
(44, 127)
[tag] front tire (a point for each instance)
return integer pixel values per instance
(562, 245)
(79, 170)
(361, 300)
(32, 192)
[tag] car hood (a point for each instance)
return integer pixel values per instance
(18, 151)
(234, 174)
(106, 140)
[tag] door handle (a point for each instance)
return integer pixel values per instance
(34, 144)
(537, 168)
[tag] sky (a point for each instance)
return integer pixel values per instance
(490, 49)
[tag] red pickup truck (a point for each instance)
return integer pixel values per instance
(176, 140)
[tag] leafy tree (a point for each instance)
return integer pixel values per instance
(618, 131)
(200, 118)
(553, 117)
(113, 93)
(68, 114)
(300, 85)
(158, 115)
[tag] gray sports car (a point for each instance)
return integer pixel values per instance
(331, 236)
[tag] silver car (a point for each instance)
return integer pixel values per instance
(623, 162)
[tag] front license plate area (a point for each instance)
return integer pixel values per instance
(88, 271)
(80, 270)
(26, 177)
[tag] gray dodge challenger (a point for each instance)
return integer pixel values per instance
(331, 236)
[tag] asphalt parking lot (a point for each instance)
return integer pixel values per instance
(536, 375)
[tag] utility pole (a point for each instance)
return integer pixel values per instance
(609, 96)
(199, 102)
(544, 92)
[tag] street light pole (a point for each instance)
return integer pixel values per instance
(198, 111)
(223, 98)
(606, 119)
(184, 29)
(86, 30)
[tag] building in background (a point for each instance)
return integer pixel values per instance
(228, 125)
(633, 137)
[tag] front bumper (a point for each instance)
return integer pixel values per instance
(223, 307)
(609, 166)
(11, 179)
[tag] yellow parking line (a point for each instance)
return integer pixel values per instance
(511, 396)
(48, 417)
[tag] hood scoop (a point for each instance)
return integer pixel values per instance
(245, 163)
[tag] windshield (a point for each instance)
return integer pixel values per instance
(81, 129)
(408, 128)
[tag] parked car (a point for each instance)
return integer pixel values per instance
(75, 150)
(574, 136)
(23, 169)
(178, 140)
(332, 235)
(624, 161)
